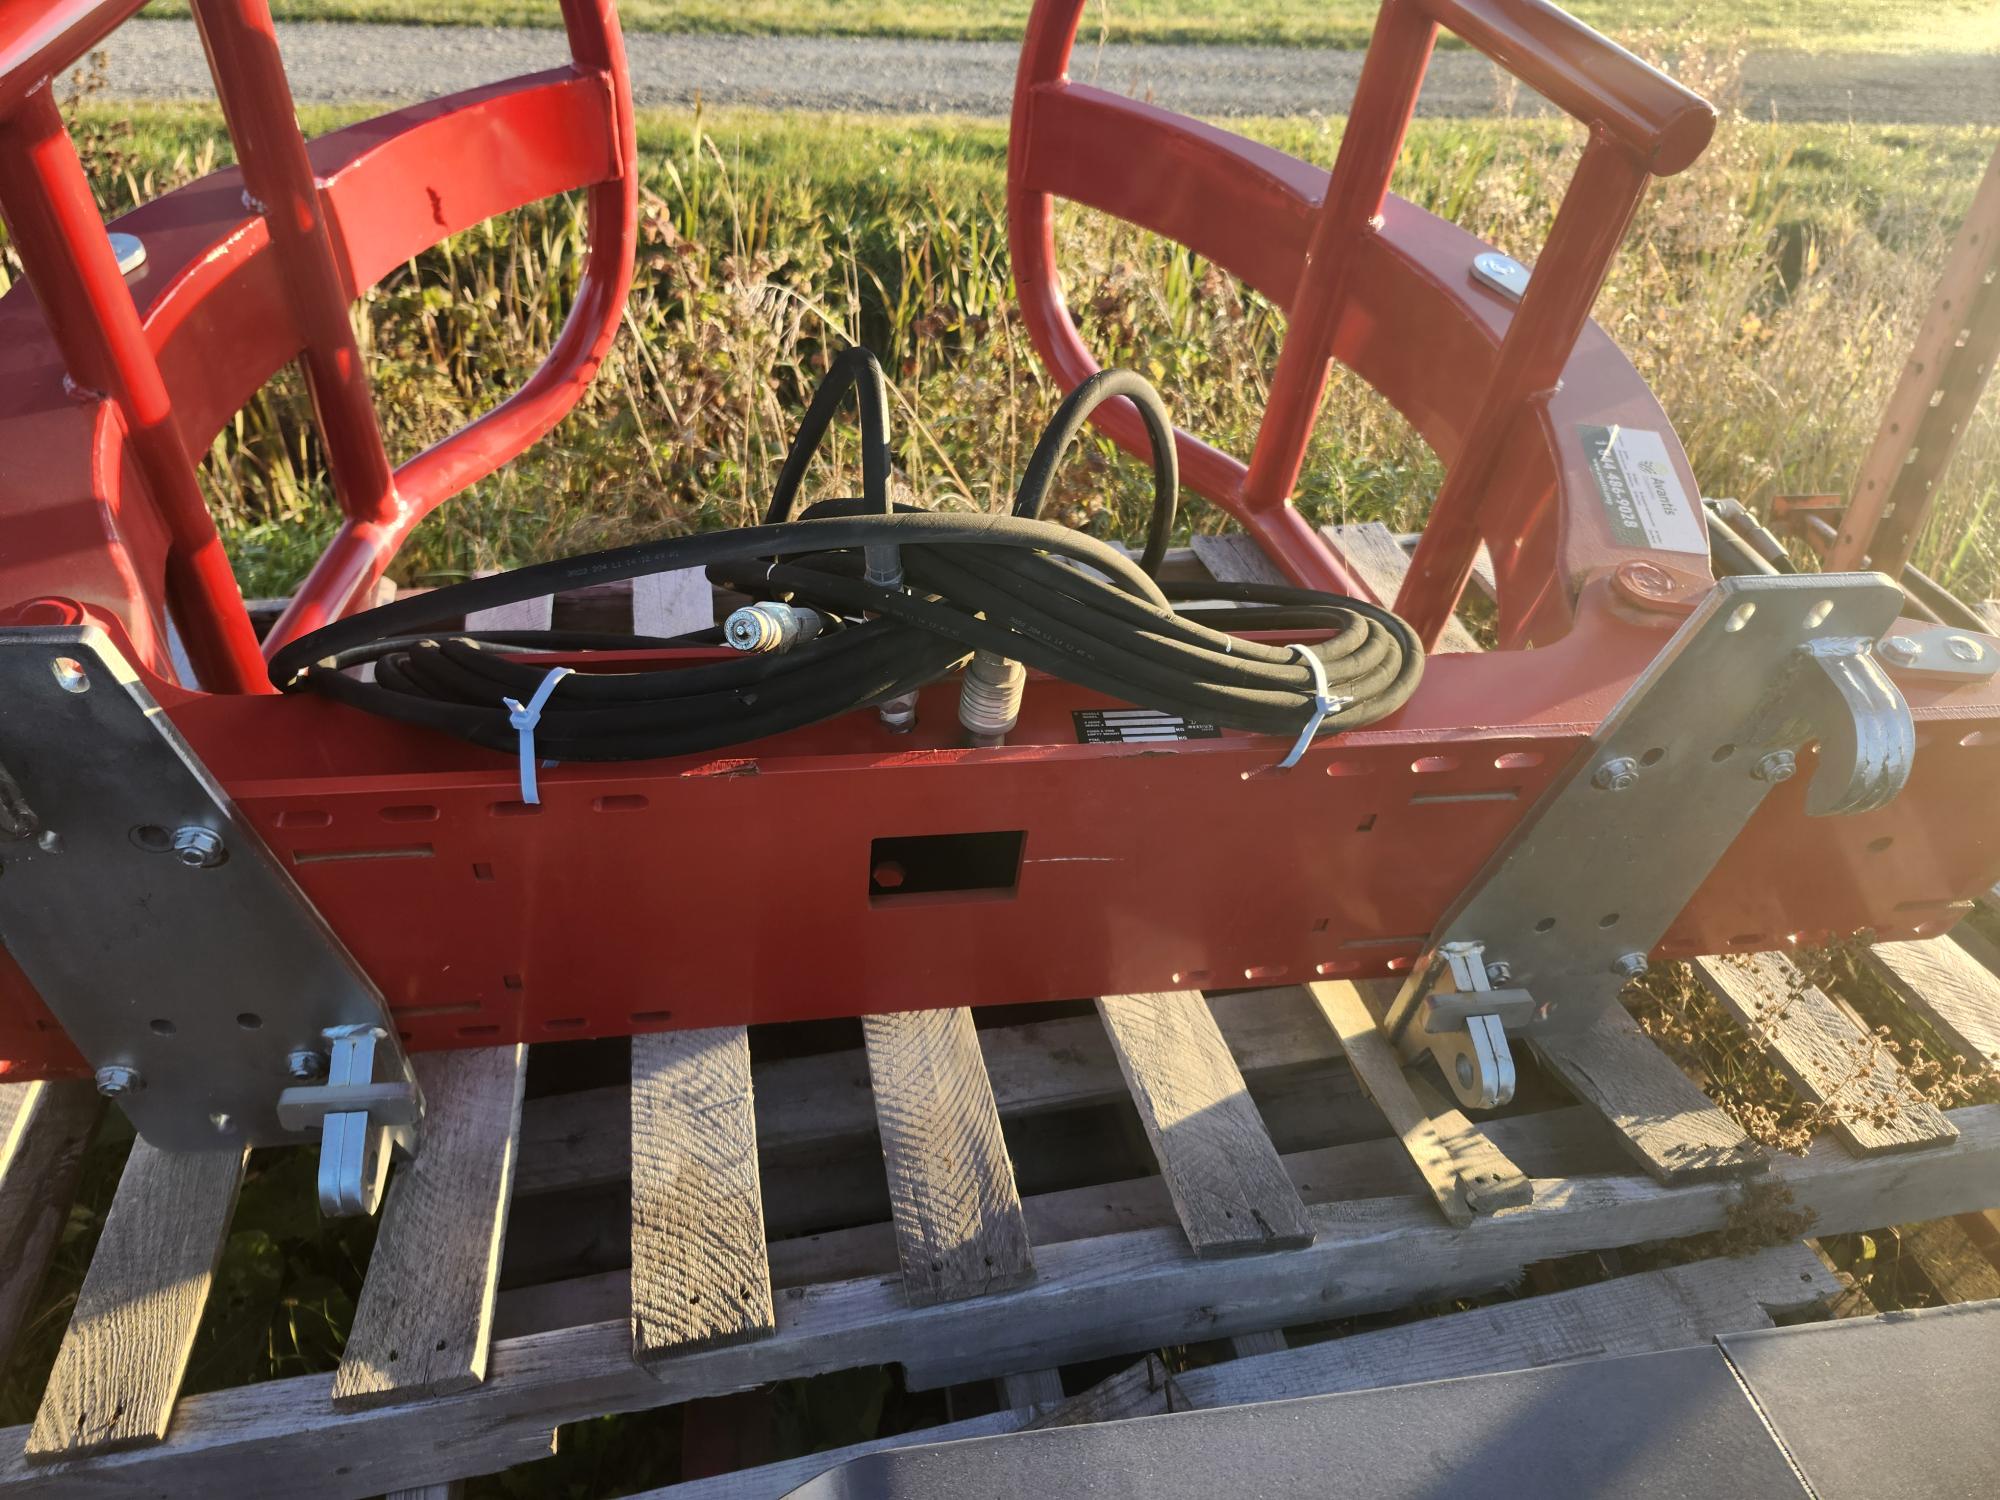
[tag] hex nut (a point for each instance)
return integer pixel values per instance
(1778, 765)
(1899, 650)
(305, 1065)
(117, 1080)
(1616, 774)
(199, 848)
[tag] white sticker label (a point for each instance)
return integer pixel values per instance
(1642, 493)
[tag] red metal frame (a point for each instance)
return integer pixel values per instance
(108, 385)
(1382, 286)
(709, 889)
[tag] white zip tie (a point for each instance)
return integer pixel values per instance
(1324, 703)
(524, 721)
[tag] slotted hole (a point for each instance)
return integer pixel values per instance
(1816, 616)
(1740, 616)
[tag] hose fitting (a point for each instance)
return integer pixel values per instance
(989, 698)
(771, 626)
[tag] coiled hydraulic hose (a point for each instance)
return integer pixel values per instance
(1057, 600)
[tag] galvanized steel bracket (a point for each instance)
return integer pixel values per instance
(1584, 888)
(157, 925)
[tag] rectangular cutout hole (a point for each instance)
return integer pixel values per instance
(945, 864)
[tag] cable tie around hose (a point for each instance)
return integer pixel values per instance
(524, 721)
(1324, 703)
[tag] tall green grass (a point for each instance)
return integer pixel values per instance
(1768, 295)
(1814, 25)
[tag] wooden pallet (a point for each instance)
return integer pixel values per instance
(973, 1204)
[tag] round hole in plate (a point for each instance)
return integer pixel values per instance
(1609, 919)
(152, 838)
(160, 1026)
(1722, 752)
(1740, 616)
(70, 676)
(249, 1020)
(1877, 846)
(1547, 924)
(1816, 616)
(1653, 756)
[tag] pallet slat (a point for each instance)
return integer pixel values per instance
(1375, 1063)
(700, 1275)
(1666, 1124)
(1379, 558)
(1228, 1185)
(1132, 1291)
(572, 1140)
(121, 1361)
(1829, 1056)
(44, 1130)
(1555, 1143)
(1942, 982)
(1676, 1308)
(424, 1320)
(957, 1212)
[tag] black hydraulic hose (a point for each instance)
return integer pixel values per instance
(1016, 586)
(855, 368)
(1068, 421)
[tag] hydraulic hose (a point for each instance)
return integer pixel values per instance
(1056, 600)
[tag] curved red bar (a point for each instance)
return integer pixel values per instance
(108, 511)
(1498, 390)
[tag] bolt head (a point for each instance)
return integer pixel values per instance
(1964, 647)
(1629, 965)
(1899, 650)
(118, 1080)
(199, 848)
(1779, 765)
(305, 1065)
(1465, 1074)
(1499, 973)
(1616, 774)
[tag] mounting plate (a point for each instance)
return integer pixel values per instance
(1590, 881)
(175, 949)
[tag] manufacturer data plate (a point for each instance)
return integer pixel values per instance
(1642, 494)
(1131, 726)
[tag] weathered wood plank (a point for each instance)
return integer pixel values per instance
(1949, 1259)
(959, 1229)
(1667, 1124)
(1486, 1177)
(1829, 1057)
(1482, 563)
(1218, 1161)
(1379, 559)
(121, 1362)
(424, 1320)
(1125, 1291)
(44, 1130)
(671, 604)
(570, 1140)
(1380, 1070)
(1562, 1142)
(1946, 985)
(1677, 1308)
(1031, 1390)
(700, 1275)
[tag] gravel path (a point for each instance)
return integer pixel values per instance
(333, 63)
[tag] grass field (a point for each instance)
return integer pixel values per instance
(1768, 295)
(1813, 25)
